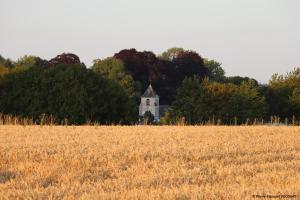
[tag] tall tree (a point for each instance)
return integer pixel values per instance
(189, 64)
(282, 94)
(114, 70)
(216, 72)
(65, 91)
(199, 102)
(165, 75)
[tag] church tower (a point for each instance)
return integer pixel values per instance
(150, 102)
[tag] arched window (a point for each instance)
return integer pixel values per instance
(148, 102)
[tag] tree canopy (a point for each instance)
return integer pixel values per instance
(198, 102)
(65, 91)
(282, 94)
(171, 53)
(216, 72)
(114, 69)
(197, 89)
(164, 74)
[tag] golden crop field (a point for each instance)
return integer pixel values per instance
(149, 162)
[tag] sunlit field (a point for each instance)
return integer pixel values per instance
(144, 162)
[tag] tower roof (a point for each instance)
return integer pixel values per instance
(149, 93)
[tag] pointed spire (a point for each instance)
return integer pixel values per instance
(149, 93)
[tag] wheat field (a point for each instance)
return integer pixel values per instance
(149, 162)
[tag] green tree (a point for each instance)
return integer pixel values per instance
(6, 62)
(28, 61)
(114, 69)
(216, 72)
(2, 60)
(282, 94)
(248, 102)
(66, 92)
(294, 101)
(171, 53)
(200, 102)
(238, 80)
(189, 103)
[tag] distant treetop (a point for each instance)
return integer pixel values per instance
(65, 58)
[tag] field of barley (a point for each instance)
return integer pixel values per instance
(148, 162)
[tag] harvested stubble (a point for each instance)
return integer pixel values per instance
(144, 162)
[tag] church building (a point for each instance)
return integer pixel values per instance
(150, 102)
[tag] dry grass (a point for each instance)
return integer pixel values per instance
(148, 162)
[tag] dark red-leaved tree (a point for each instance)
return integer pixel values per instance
(65, 58)
(188, 64)
(165, 75)
(138, 63)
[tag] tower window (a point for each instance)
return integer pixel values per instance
(148, 102)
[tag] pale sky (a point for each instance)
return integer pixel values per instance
(254, 38)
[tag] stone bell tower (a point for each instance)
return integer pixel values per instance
(149, 102)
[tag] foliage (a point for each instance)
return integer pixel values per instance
(189, 64)
(114, 69)
(65, 92)
(199, 102)
(23, 63)
(109, 92)
(165, 75)
(3, 71)
(282, 94)
(238, 80)
(30, 61)
(171, 53)
(5, 62)
(294, 101)
(216, 72)
(65, 58)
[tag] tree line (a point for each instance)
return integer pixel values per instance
(108, 92)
